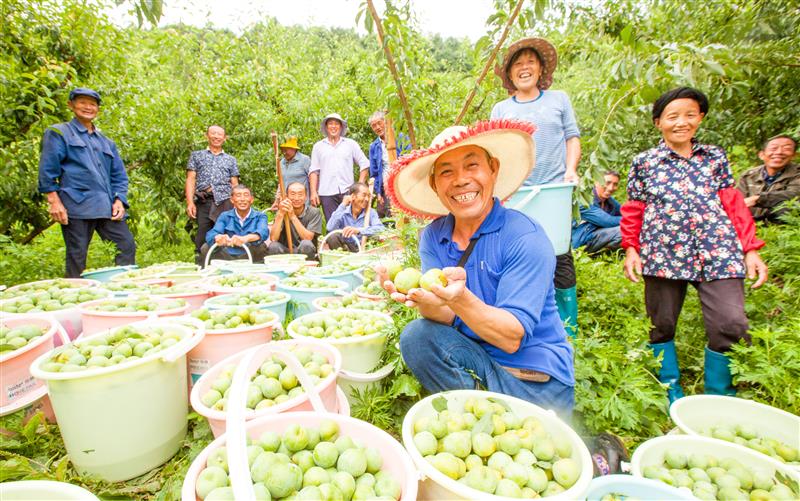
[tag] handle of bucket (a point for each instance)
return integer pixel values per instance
(527, 198)
(183, 346)
(235, 422)
(325, 240)
(215, 247)
(62, 333)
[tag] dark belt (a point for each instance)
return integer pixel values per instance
(204, 195)
(527, 374)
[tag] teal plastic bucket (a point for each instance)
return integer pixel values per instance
(105, 274)
(551, 206)
(277, 307)
(352, 278)
(302, 299)
(122, 421)
(634, 487)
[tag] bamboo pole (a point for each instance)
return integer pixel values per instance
(401, 93)
(489, 62)
(287, 218)
(367, 210)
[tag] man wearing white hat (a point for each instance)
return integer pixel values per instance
(332, 160)
(495, 323)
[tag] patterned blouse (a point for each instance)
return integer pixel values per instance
(214, 171)
(686, 233)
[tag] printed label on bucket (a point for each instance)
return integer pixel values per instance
(15, 391)
(198, 367)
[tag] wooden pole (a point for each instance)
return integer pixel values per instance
(391, 149)
(287, 218)
(489, 62)
(366, 213)
(401, 93)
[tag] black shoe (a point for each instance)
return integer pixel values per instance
(608, 452)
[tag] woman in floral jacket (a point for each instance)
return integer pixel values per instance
(686, 223)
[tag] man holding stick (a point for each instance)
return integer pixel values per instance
(304, 223)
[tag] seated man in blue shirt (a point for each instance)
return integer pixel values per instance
(495, 323)
(350, 216)
(238, 227)
(599, 226)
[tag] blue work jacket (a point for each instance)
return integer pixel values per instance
(376, 159)
(228, 223)
(594, 217)
(85, 169)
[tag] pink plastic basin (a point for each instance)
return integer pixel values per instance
(16, 382)
(326, 387)
(395, 459)
(78, 282)
(96, 321)
(220, 344)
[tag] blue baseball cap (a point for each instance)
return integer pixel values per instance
(84, 91)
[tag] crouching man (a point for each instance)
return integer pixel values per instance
(238, 227)
(495, 323)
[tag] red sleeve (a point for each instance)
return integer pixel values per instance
(631, 225)
(733, 203)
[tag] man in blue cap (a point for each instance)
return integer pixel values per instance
(86, 185)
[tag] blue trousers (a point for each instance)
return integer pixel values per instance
(603, 238)
(444, 359)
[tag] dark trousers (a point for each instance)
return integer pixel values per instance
(564, 277)
(306, 247)
(258, 251)
(722, 302)
(384, 209)
(337, 241)
(78, 234)
(207, 213)
(330, 203)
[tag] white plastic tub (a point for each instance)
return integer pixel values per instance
(436, 485)
(697, 414)
(41, 490)
(350, 381)
(634, 487)
(551, 206)
(121, 421)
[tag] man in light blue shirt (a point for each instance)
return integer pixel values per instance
(350, 217)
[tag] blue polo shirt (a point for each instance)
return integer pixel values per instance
(511, 267)
(229, 223)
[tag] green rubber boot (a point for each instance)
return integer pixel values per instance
(567, 304)
(717, 377)
(670, 372)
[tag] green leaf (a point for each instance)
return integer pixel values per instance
(714, 67)
(501, 402)
(439, 404)
(484, 425)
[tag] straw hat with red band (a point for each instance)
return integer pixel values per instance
(548, 57)
(510, 141)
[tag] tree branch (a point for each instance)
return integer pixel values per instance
(393, 70)
(489, 62)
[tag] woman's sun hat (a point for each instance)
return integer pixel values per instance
(510, 141)
(334, 116)
(547, 56)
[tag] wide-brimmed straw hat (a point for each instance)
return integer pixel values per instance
(510, 141)
(291, 143)
(547, 56)
(335, 116)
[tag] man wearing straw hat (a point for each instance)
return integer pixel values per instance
(295, 165)
(495, 323)
(332, 159)
(527, 74)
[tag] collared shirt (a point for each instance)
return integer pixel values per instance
(334, 162)
(555, 123)
(786, 186)
(229, 223)
(686, 233)
(343, 217)
(511, 267)
(311, 219)
(296, 170)
(214, 171)
(84, 168)
(600, 214)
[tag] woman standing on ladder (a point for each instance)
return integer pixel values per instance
(527, 73)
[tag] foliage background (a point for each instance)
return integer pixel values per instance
(163, 86)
